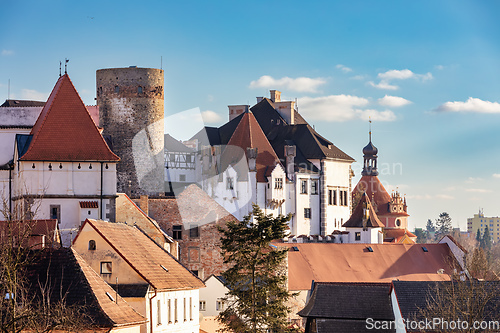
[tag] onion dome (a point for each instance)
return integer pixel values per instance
(370, 149)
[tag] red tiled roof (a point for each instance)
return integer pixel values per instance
(24, 229)
(357, 217)
(248, 134)
(332, 262)
(146, 257)
(117, 310)
(89, 204)
(377, 194)
(397, 234)
(65, 131)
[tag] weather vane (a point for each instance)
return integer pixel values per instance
(66, 65)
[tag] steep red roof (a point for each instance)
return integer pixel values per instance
(359, 215)
(334, 262)
(377, 194)
(155, 265)
(65, 131)
(248, 134)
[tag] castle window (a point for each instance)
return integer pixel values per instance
(303, 186)
(343, 198)
(92, 245)
(357, 236)
(106, 267)
(177, 231)
(307, 213)
(229, 183)
(194, 230)
(117, 89)
(332, 197)
(278, 183)
(203, 305)
(398, 222)
(55, 212)
(139, 90)
(314, 186)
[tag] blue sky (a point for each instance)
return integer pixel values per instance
(426, 72)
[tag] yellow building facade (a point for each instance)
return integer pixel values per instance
(481, 222)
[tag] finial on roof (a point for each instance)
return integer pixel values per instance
(60, 65)
(66, 60)
(370, 120)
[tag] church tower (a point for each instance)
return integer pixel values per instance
(370, 158)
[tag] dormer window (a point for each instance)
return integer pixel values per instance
(278, 183)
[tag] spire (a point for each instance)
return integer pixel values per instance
(370, 157)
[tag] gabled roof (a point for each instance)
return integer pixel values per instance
(65, 131)
(345, 307)
(24, 230)
(335, 262)
(144, 256)
(171, 144)
(377, 193)
(412, 296)
(116, 309)
(397, 235)
(74, 282)
(360, 218)
(248, 134)
(21, 103)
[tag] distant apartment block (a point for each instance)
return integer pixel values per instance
(479, 221)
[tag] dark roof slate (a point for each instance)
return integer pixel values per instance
(346, 326)
(359, 301)
(21, 103)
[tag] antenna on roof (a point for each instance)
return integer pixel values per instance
(66, 65)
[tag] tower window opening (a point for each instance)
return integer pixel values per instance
(117, 89)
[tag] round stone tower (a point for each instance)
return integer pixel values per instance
(131, 111)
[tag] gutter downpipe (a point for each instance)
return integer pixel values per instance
(100, 205)
(151, 312)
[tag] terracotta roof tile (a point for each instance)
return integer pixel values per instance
(117, 309)
(89, 204)
(65, 131)
(358, 216)
(377, 194)
(248, 134)
(146, 257)
(332, 262)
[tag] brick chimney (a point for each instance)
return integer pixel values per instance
(236, 110)
(144, 204)
(275, 96)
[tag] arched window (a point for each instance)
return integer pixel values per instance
(91, 245)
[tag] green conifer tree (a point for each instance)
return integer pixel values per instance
(257, 298)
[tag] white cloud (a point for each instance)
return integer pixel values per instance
(496, 175)
(7, 52)
(473, 180)
(395, 74)
(383, 85)
(33, 95)
(393, 101)
(475, 105)
(341, 108)
(358, 77)
(478, 190)
(445, 197)
(210, 117)
(344, 68)
(439, 67)
(300, 84)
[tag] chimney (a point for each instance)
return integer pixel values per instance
(286, 109)
(236, 110)
(290, 152)
(275, 96)
(259, 99)
(144, 204)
